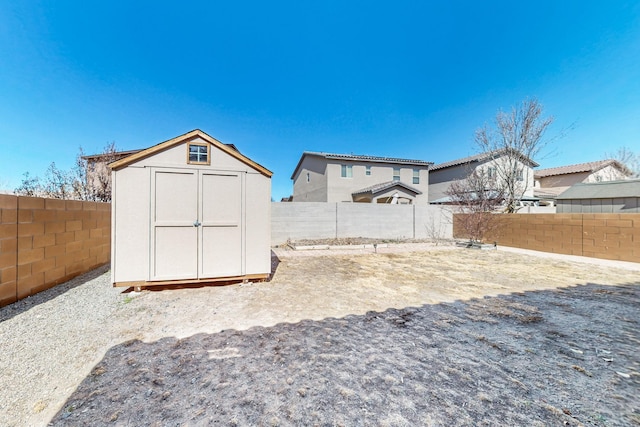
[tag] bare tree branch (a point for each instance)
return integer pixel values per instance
(477, 198)
(514, 141)
(86, 180)
(628, 158)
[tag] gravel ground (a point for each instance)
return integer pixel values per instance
(50, 341)
(69, 351)
(535, 360)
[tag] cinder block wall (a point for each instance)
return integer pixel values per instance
(607, 236)
(319, 220)
(44, 242)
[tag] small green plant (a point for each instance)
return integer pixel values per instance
(127, 299)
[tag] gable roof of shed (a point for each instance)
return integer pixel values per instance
(360, 157)
(581, 167)
(230, 149)
(602, 190)
(478, 158)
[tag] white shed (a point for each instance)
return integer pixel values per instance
(189, 210)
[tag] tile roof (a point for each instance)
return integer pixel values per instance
(581, 167)
(368, 158)
(116, 154)
(476, 158)
(359, 157)
(385, 186)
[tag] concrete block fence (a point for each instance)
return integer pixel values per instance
(317, 220)
(596, 235)
(44, 242)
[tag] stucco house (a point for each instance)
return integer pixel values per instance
(442, 175)
(551, 182)
(327, 177)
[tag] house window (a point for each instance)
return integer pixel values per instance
(491, 172)
(198, 154)
(396, 174)
(308, 177)
(518, 174)
(367, 170)
(416, 176)
(346, 171)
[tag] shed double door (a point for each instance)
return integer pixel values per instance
(196, 224)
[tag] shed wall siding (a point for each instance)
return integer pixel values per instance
(131, 209)
(258, 224)
(616, 205)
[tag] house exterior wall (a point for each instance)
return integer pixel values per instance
(327, 185)
(441, 179)
(132, 201)
(562, 182)
(316, 189)
(608, 173)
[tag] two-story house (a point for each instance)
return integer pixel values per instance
(327, 177)
(442, 175)
(553, 181)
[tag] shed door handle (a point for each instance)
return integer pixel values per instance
(197, 223)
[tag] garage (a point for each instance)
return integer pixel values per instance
(189, 210)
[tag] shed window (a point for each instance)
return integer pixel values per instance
(198, 154)
(396, 174)
(416, 176)
(346, 171)
(367, 170)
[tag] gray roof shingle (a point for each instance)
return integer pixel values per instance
(602, 190)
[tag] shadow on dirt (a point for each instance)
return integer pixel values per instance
(561, 357)
(275, 262)
(23, 305)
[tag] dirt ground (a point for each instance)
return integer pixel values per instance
(443, 336)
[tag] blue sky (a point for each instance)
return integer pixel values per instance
(407, 79)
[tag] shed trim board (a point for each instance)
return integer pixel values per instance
(184, 138)
(195, 282)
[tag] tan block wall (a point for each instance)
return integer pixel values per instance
(607, 236)
(44, 242)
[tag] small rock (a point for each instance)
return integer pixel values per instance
(623, 375)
